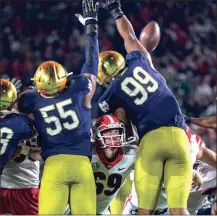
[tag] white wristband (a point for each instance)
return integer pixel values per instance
(25, 150)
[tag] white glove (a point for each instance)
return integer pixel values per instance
(81, 19)
(17, 83)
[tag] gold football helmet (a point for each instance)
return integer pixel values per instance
(8, 94)
(50, 79)
(111, 66)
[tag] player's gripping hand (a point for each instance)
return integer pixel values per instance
(114, 7)
(90, 16)
(197, 180)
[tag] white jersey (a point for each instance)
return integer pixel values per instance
(110, 179)
(22, 172)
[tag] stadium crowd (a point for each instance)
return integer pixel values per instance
(36, 31)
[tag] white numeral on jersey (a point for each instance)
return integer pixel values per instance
(140, 77)
(63, 114)
(4, 141)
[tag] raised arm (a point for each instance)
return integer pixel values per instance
(90, 67)
(125, 29)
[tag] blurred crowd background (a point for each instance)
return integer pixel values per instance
(36, 31)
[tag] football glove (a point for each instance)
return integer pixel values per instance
(17, 83)
(114, 7)
(90, 16)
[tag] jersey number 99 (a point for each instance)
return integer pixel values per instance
(63, 115)
(140, 78)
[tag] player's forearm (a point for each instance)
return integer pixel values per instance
(125, 28)
(131, 42)
(208, 156)
(91, 55)
(206, 122)
(123, 24)
(90, 16)
(126, 31)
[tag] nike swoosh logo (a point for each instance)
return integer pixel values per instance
(120, 169)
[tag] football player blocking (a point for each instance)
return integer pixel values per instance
(61, 107)
(149, 38)
(196, 198)
(143, 94)
(19, 182)
(13, 128)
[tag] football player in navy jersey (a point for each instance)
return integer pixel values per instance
(142, 95)
(13, 127)
(62, 112)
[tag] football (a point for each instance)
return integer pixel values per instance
(150, 36)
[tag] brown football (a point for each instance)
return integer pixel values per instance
(150, 36)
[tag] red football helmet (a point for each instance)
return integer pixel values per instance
(105, 124)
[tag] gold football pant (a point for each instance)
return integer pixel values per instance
(163, 156)
(67, 179)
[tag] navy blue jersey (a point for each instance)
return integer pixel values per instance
(63, 122)
(13, 128)
(143, 93)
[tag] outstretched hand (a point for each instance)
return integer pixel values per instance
(114, 7)
(111, 4)
(90, 12)
(17, 83)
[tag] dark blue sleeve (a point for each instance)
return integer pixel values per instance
(25, 103)
(135, 55)
(80, 83)
(91, 55)
(28, 128)
(108, 102)
(6, 156)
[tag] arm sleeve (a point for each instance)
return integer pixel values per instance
(28, 128)
(108, 102)
(80, 83)
(25, 104)
(91, 55)
(135, 55)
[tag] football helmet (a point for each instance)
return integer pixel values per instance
(111, 65)
(8, 94)
(105, 123)
(50, 79)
